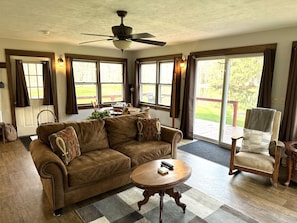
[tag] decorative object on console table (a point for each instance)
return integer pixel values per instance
(100, 114)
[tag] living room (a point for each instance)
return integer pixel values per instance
(282, 34)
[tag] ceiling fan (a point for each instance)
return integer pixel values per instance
(122, 35)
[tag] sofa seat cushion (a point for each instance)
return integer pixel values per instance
(95, 165)
(142, 152)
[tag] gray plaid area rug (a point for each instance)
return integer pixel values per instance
(122, 208)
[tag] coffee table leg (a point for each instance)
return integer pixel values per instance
(176, 195)
(161, 193)
(146, 194)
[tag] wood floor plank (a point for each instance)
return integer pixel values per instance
(22, 198)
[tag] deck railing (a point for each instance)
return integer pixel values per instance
(234, 103)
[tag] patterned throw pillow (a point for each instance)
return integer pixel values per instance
(149, 129)
(255, 141)
(65, 144)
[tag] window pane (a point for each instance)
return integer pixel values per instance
(32, 69)
(166, 72)
(148, 93)
(165, 95)
(40, 92)
(34, 79)
(84, 71)
(33, 93)
(112, 92)
(111, 72)
(85, 94)
(148, 73)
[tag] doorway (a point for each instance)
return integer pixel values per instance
(225, 87)
(25, 118)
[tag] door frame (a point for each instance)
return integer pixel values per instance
(11, 52)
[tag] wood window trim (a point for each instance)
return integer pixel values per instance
(102, 59)
(2, 65)
(26, 53)
(158, 59)
(235, 50)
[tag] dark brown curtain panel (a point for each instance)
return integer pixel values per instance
(71, 104)
(22, 96)
(136, 85)
(264, 98)
(47, 84)
(187, 118)
(175, 90)
(126, 95)
(288, 131)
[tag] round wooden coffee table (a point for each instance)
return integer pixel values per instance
(146, 177)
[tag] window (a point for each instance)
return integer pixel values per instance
(98, 81)
(111, 76)
(85, 79)
(155, 82)
(34, 79)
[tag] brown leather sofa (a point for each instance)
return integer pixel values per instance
(109, 152)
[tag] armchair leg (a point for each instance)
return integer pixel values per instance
(58, 212)
(234, 172)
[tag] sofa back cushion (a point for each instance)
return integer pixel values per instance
(123, 128)
(91, 134)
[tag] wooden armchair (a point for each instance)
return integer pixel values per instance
(265, 164)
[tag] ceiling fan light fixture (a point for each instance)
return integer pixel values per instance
(122, 44)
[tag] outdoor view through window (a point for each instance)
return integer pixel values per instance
(155, 82)
(103, 86)
(225, 88)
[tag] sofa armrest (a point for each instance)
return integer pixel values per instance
(52, 171)
(173, 136)
(42, 156)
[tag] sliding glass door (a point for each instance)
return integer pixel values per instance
(225, 88)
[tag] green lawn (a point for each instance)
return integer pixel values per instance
(212, 113)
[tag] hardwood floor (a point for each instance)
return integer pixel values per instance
(22, 198)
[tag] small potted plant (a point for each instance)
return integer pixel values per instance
(97, 114)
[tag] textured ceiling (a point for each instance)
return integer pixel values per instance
(172, 21)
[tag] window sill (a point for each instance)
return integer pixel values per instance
(156, 107)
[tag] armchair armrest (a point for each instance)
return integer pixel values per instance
(236, 137)
(173, 136)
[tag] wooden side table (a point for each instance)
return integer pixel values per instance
(291, 151)
(2, 126)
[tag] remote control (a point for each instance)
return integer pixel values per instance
(167, 165)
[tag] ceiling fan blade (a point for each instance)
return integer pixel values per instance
(91, 34)
(141, 35)
(153, 42)
(92, 41)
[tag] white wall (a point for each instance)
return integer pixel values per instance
(283, 38)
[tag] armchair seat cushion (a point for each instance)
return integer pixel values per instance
(142, 152)
(255, 161)
(95, 165)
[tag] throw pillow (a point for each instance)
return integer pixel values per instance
(65, 144)
(149, 129)
(255, 141)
